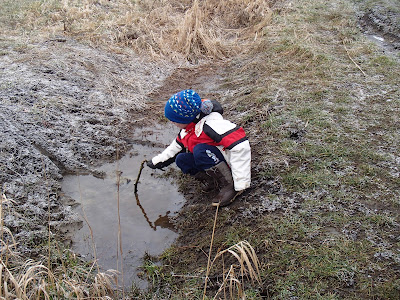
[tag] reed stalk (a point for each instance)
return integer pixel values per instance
(209, 252)
(118, 172)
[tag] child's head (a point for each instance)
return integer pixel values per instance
(183, 107)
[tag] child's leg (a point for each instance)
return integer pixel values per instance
(207, 156)
(185, 161)
(203, 157)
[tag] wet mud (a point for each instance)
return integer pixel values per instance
(381, 24)
(65, 108)
(69, 113)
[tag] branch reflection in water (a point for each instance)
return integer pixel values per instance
(162, 221)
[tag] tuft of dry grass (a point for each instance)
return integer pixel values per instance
(174, 29)
(249, 266)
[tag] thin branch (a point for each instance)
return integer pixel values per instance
(348, 54)
(209, 253)
(140, 172)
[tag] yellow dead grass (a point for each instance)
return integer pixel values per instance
(175, 29)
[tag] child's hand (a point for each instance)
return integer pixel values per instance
(150, 164)
(159, 166)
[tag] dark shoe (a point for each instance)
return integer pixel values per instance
(207, 182)
(222, 174)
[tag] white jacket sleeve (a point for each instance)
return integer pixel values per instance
(240, 163)
(173, 149)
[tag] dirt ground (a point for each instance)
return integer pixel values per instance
(66, 108)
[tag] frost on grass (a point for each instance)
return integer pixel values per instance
(64, 107)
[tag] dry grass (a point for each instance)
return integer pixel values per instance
(248, 267)
(23, 278)
(175, 29)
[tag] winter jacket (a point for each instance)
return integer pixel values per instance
(229, 138)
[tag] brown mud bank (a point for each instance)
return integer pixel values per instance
(383, 19)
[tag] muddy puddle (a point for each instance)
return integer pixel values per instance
(145, 226)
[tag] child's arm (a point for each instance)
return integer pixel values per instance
(240, 163)
(166, 157)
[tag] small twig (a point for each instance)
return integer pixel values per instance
(91, 237)
(348, 54)
(140, 172)
(118, 172)
(209, 253)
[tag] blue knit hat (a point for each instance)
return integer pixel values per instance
(183, 107)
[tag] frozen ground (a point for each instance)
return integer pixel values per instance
(65, 108)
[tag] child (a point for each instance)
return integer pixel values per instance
(219, 152)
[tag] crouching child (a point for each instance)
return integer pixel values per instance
(213, 150)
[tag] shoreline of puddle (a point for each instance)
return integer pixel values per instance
(114, 217)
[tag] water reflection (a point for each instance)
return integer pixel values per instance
(162, 221)
(145, 217)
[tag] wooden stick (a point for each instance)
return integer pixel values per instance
(348, 54)
(209, 253)
(140, 172)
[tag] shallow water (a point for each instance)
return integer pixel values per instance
(144, 217)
